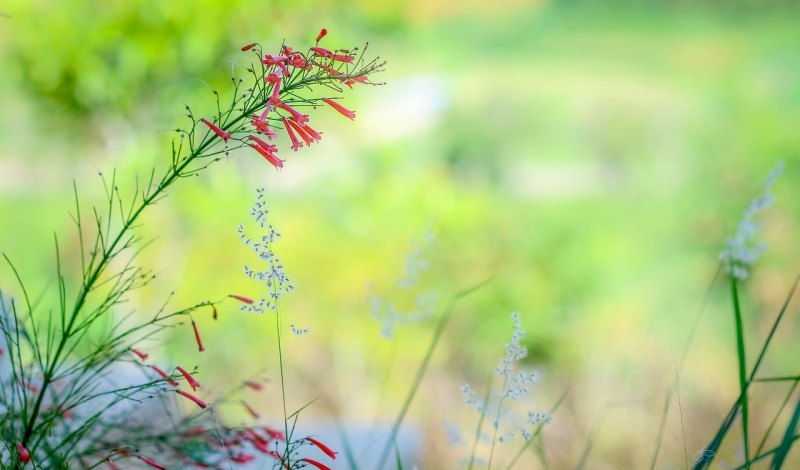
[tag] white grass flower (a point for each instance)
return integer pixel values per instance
(273, 277)
(742, 249)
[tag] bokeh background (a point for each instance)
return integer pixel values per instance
(590, 158)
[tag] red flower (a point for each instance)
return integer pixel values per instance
(275, 99)
(322, 447)
(297, 60)
(329, 69)
(165, 376)
(322, 34)
(296, 115)
(272, 78)
(344, 58)
(296, 144)
(275, 161)
(24, 455)
(303, 134)
(268, 147)
(141, 355)
(275, 434)
(250, 410)
(243, 458)
(189, 379)
(344, 111)
(262, 126)
(197, 401)
(223, 135)
(321, 51)
(254, 385)
(152, 463)
(316, 464)
(110, 464)
(241, 298)
(197, 337)
(248, 47)
(272, 60)
(316, 135)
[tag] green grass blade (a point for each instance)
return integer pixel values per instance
(743, 381)
(348, 449)
(437, 335)
(777, 415)
(788, 439)
(713, 447)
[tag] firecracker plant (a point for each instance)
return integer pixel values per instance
(61, 400)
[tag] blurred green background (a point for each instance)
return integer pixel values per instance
(590, 158)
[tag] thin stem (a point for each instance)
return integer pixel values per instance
(743, 381)
(496, 422)
(283, 387)
(390, 442)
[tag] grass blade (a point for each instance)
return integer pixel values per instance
(743, 381)
(788, 439)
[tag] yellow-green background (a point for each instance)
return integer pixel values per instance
(590, 158)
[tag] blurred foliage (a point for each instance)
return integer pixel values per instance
(590, 158)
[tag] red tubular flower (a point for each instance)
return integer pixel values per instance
(165, 376)
(297, 60)
(321, 34)
(275, 99)
(152, 463)
(322, 447)
(344, 111)
(110, 464)
(344, 58)
(261, 447)
(321, 51)
(221, 133)
(329, 69)
(197, 401)
(303, 134)
(197, 337)
(254, 385)
(316, 135)
(139, 353)
(272, 60)
(242, 458)
(250, 410)
(264, 145)
(24, 455)
(262, 126)
(285, 70)
(296, 115)
(296, 144)
(241, 298)
(189, 379)
(275, 434)
(313, 462)
(248, 47)
(270, 157)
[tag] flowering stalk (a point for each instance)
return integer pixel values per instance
(54, 346)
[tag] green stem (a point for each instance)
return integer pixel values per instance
(743, 381)
(283, 388)
(390, 442)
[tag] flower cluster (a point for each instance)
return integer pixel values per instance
(419, 303)
(742, 249)
(273, 103)
(273, 277)
(515, 386)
